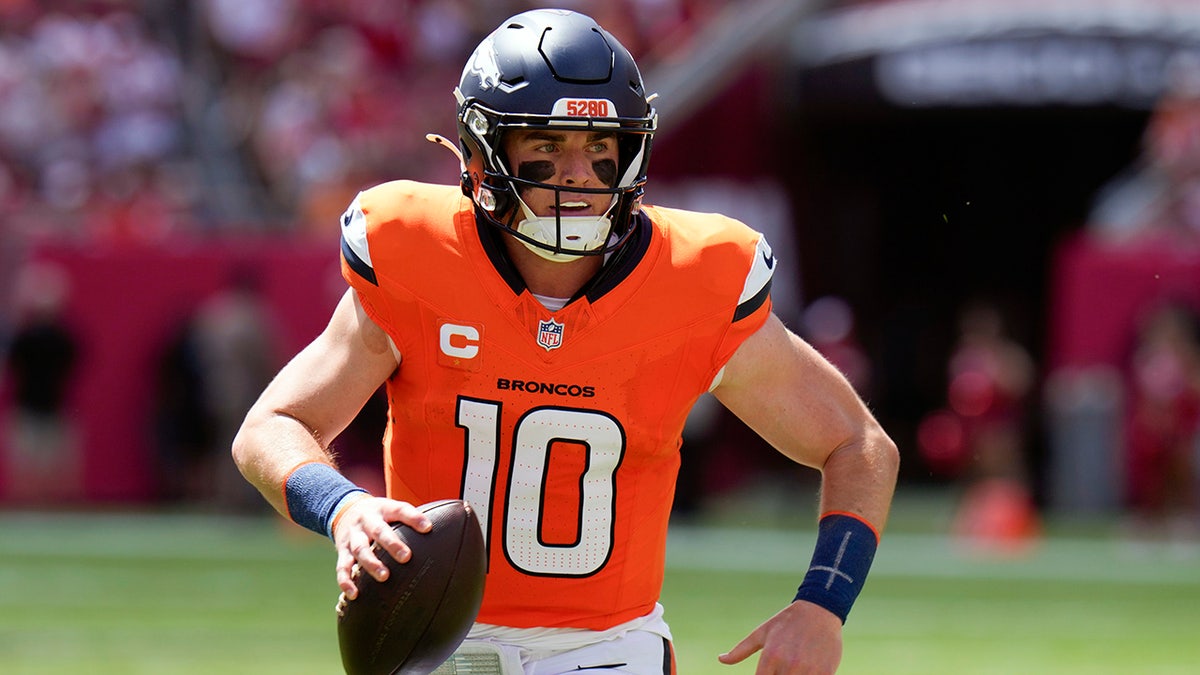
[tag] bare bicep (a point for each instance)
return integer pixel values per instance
(781, 387)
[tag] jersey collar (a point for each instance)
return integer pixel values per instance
(618, 267)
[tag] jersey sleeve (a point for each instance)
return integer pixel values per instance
(358, 265)
(356, 251)
(756, 293)
(753, 307)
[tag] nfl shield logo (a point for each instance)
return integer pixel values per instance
(550, 334)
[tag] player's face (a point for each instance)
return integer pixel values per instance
(584, 159)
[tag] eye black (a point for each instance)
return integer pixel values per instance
(606, 171)
(539, 172)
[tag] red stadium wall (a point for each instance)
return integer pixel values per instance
(126, 305)
(1100, 290)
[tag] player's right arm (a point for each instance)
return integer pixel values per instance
(308, 404)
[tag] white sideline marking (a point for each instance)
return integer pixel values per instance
(736, 550)
(930, 556)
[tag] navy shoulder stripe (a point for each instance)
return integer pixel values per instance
(758, 281)
(355, 248)
(750, 306)
(357, 264)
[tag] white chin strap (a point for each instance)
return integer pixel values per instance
(581, 233)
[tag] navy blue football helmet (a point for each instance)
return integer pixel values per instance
(553, 69)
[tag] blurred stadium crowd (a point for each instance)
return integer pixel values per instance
(135, 119)
(131, 126)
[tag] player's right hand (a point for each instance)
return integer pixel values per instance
(364, 523)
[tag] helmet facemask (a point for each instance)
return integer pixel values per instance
(558, 71)
(556, 237)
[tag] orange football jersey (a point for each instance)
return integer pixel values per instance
(562, 429)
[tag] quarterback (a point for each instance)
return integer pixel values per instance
(542, 336)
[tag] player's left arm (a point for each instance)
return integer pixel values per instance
(788, 393)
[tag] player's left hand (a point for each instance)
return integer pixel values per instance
(802, 638)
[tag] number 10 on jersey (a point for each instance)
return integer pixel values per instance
(525, 506)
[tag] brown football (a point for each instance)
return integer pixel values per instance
(413, 621)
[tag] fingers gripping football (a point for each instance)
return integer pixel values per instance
(413, 588)
(366, 526)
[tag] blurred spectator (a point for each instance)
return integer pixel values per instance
(236, 347)
(254, 30)
(1085, 425)
(43, 462)
(184, 428)
(1158, 199)
(981, 437)
(1164, 417)
(1160, 195)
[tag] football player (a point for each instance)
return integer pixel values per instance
(542, 336)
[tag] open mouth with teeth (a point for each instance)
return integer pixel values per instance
(570, 227)
(574, 208)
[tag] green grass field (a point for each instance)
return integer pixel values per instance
(170, 593)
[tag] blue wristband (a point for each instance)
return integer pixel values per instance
(314, 494)
(844, 552)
